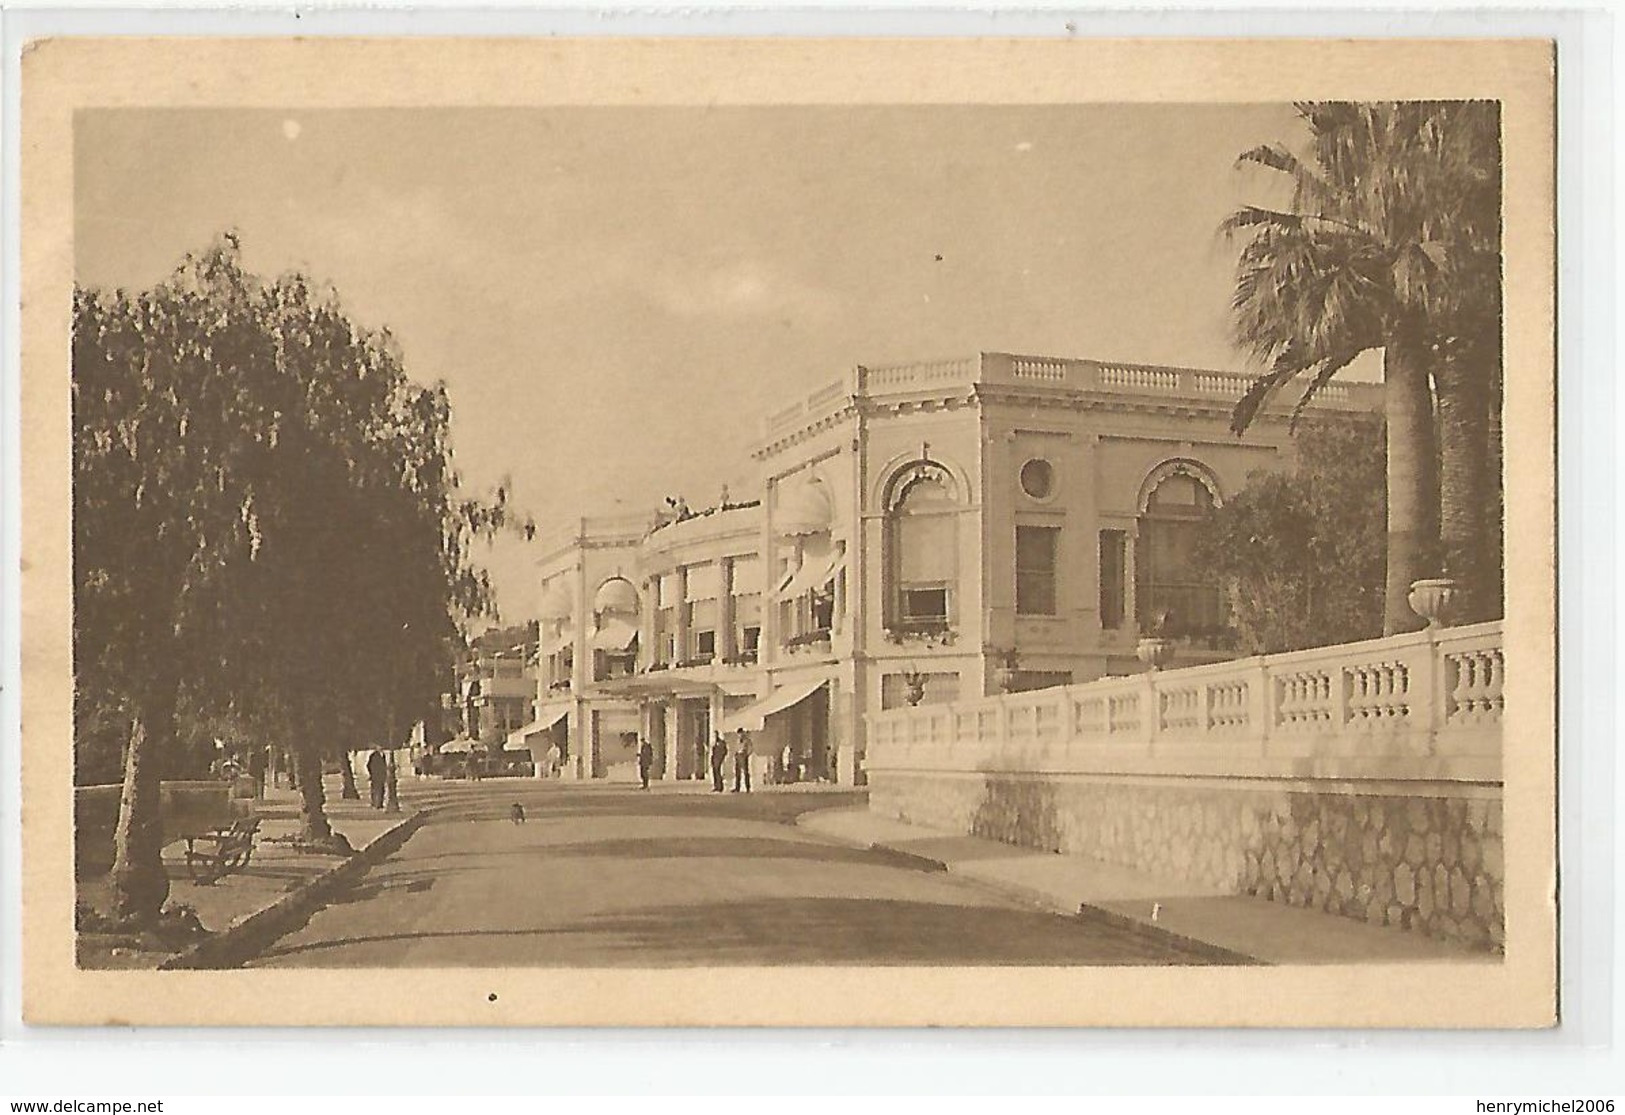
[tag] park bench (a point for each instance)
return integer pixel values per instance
(221, 850)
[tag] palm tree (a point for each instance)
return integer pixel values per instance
(1460, 150)
(1372, 253)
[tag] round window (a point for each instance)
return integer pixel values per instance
(1038, 478)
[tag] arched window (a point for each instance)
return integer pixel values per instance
(922, 527)
(615, 636)
(1174, 595)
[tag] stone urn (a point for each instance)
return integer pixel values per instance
(914, 683)
(1155, 651)
(1432, 599)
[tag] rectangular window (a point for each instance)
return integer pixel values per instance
(1113, 582)
(703, 614)
(705, 645)
(703, 581)
(752, 639)
(668, 590)
(823, 611)
(1035, 570)
(747, 575)
(939, 689)
(928, 544)
(925, 605)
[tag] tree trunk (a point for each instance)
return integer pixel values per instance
(1494, 603)
(348, 790)
(1463, 444)
(1413, 515)
(314, 827)
(140, 881)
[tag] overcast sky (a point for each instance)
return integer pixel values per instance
(615, 296)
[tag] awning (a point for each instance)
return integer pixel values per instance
(817, 570)
(753, 716)
(614, 635)
(457, 746)
(517, 737)
(558, 642)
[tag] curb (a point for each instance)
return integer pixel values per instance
(1085, 912)
(231, 946)
(1218, 954)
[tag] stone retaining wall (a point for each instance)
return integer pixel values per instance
(1428, 859)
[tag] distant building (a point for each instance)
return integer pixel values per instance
(497, 694)
(928, 531)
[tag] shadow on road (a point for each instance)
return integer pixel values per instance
(547, 805)
(718, 847)
(787, 931)
(402, 866)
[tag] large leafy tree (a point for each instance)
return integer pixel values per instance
(163, 399)
(268, 522)
(1387, 243)
(363, 569)
(1300, 552)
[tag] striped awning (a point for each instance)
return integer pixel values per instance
(754, 716)
(614, 635)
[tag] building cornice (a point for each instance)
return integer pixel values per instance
(805, 432)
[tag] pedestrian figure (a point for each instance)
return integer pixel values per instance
(646, 760)
(741, 761)
(719, 755)
(257, 764)
(377, 772)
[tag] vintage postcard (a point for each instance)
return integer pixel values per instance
(786, 532)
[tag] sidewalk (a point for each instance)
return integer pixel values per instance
(277, 871)
(1248, 929)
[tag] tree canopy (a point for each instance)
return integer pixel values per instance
(270, 536)
(1300, 553)
(1392, 242)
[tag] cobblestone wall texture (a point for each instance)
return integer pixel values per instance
(1429, 864)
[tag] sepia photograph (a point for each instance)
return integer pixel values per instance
(916, 548)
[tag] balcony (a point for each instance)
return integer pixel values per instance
(927, 630)
(812, 643)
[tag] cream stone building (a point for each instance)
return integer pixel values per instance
(919, 533)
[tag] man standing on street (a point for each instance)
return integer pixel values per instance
(646, 760)
(719, 755)
(742, 761)
(256, 768)
(377, 772)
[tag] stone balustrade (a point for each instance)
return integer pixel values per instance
(1044, 372)
(1361, 780)
(1425, 705)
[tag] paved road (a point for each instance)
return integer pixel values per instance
(602, 876)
